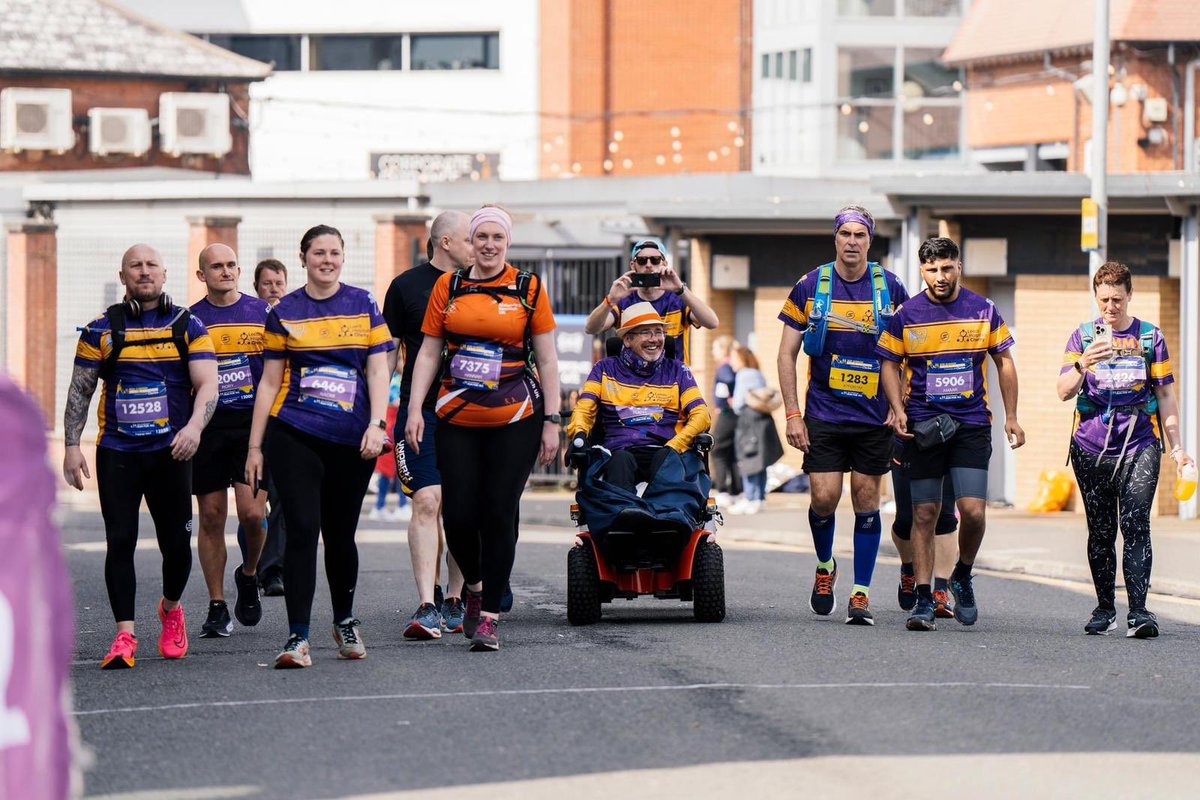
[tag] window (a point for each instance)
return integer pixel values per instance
(766, 65)
(933, 8)
(806, 68)
(282, 51)
(865, 133)
(792, 65)
(931, 132)
(866, 71)
(925, 75)
(867, 8)
(779, 65)
(365, 53)
(456, 51)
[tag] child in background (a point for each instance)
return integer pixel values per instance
(385, 470)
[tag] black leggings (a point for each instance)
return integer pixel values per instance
(947, 522)
(1126, 496)
(483, 474)
(725, 477)
(321, 486)
(123, 480)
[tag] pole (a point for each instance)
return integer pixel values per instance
(1189, 339)
(1100, 47)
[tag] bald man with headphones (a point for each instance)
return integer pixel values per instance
(160, 390)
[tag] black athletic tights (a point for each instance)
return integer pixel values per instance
(321, 485)
(1126, 496)
(483, 474)
(123, 480)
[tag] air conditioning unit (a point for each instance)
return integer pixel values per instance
(36, 119)
(194, 123)
(118, 130)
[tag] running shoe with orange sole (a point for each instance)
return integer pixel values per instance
(941, 605)
(294, 654)
(173, 641)
(121, 654)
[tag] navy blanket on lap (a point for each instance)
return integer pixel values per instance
(677, 494)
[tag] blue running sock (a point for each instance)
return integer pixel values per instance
(867, 529)
(299, 629)
(822, 533)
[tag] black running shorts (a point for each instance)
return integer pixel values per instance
(866, 449)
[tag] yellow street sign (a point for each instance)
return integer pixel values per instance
(1089, 231)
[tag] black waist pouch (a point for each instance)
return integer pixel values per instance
(932, 432)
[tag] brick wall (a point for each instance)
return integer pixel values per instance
(88, 93)
(628, 71)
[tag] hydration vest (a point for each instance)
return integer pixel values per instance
(118, 320)
(819, 317)
(519, 291)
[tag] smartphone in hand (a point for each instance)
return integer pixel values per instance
(645, 280)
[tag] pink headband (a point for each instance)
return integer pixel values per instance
(492, 214)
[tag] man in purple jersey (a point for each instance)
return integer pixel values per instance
(36, 616)
(235, 321)
(835, 313)
(945, 335)
(649, 404)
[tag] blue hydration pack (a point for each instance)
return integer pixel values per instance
(818, 318)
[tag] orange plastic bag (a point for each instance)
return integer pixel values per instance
(1053, 493)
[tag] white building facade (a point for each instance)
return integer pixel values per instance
(855, 87)
(397, 90)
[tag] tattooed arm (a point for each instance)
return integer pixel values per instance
(79, 397)
(204, 381)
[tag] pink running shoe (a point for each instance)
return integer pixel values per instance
(121, 654)
(173, 642)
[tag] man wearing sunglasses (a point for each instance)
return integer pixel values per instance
(651, 280)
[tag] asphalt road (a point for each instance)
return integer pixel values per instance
(772, 701)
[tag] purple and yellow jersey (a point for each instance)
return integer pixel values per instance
(1124, 380)
(677, 319)
(946, 345)
(326, 344)
(662, 408)
(147, 399)
(237, 334)
(843, 384)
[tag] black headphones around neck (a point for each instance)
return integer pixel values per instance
(133, 308)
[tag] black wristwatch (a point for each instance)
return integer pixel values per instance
(381, 424)
(555, 418)
(1078, 365)
(682, 288)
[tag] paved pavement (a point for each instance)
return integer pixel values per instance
(772, 702)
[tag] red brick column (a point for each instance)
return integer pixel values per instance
(32, 334)
(203, 231)
(395, 238)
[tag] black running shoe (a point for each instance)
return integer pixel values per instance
(218, 625)
(247, 608)
(822, 600)
(859, 612)
(922, 617)
(506, 601)
(965, 610)
(1102, 623)
(1142, 624)
(272, 583)
(906, 592)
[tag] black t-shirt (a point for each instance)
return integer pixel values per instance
(404, 309)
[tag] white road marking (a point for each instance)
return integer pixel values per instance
(586, 690)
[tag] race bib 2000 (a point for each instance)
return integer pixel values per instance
(235, 381)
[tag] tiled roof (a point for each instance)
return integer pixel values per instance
(1006, 29)
(100, 37)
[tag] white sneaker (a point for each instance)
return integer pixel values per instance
(376, 515)
(724, 499)
(739, 507)
(753, 506)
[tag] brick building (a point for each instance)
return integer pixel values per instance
(644, 87)
(86, 85)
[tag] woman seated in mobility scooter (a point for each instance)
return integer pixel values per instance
(647, 423)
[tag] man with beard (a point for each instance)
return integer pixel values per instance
(946, 334)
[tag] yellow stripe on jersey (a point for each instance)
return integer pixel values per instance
(164, 351)
(959, 336)
(998, 336)
(891, 344)
(858, 310)
(332, 333)
(791, 311)
(235, 338)
(624, 394)
(1160, 369)
(690, 396)
(284, 384)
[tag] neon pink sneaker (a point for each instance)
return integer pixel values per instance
(173, 642)
(121, 654)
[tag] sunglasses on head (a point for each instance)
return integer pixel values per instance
(651, 260)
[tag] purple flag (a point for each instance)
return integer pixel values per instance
(36, 612)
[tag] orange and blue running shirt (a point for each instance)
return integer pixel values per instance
(947, 345)
(326, 344)
(148, 397)
(237, 335)
(677, 319)
(485, 383)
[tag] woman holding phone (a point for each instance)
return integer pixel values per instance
(651, 279)
(1118, 371)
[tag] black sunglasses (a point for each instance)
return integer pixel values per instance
(653, 261)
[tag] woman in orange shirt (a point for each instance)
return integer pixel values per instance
(489, 331)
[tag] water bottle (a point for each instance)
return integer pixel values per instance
(1185, 485)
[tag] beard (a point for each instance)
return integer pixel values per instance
(947, 293)
(144, 291)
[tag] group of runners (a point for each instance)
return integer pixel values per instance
(284, 396)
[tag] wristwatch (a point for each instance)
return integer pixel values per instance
(555, 418)
(682, 288)
(381, 424)
(1078, 365)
